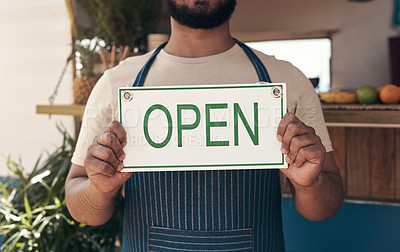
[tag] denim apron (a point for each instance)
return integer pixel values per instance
(227, 210)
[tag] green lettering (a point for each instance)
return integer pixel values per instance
(237, 111)
(181, 126)
(146, 126)
(210, 124)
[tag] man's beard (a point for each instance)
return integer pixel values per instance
(202, 16)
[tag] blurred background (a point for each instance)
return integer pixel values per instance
(52, 53)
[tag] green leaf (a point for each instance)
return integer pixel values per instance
(27, 207)
(12, 241)
(11, 196)
(35, 167)
(70, 222)
(96, 244)
(14, 168)
(20, 245)
(7, 227)
(43, 225)
(57, 202)
(39, 177)
(37, 220)
(46, 201)
(3, 190)
(25, 222)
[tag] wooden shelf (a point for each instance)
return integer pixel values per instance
(359, 118)
(358, 115)
(73, 110)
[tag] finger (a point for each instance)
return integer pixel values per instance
(292, 130)
(124, 176)
(110, 184)
(286, 171)
(120, 178)
(111, 141)
(94, 166)
(299, 142)
(286, 120)
(106, 154)
(118, 130)
(313, 154)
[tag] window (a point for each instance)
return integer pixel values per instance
(311, 56)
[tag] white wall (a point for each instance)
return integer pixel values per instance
(360, 49)
(34, 45)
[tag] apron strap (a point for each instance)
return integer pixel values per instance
(262, 72)
(141, 77)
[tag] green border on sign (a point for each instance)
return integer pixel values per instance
(121, 90)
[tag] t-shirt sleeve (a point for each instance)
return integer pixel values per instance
(99, 112)
(307, 106)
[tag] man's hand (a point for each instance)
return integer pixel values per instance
(304, 150)
(90, 189)
(103, 161)
(315, 179)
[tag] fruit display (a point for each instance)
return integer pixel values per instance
(389, 94)
(338, 97)
(367, 94)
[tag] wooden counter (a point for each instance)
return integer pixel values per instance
(366, 146)
(357, 115)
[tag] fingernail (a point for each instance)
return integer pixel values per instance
(279, 138)
(120, 167)
(288, 160)
(122, 157)
(284, 151)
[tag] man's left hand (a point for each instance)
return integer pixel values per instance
(304, 150)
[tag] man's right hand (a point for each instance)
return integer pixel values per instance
(90, 189)
(103, 162)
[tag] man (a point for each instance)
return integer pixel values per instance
(202, 210)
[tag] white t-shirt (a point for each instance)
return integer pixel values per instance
(230, 67)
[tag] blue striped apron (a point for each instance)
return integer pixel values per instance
(228, 210)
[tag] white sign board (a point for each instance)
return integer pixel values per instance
(202, 127)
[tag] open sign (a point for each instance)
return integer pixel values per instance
(202, 127)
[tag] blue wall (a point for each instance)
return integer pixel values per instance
(357, 227)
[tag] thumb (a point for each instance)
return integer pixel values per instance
(286, 171)
(124, 176)
(120, 178)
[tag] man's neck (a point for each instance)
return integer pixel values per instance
(194, 43)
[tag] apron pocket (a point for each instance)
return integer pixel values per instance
(167, 239)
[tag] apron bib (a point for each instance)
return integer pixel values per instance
(227, 210)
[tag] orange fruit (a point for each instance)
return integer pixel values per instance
(389, 94)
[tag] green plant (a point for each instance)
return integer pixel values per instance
(117, 22)
(33, 212)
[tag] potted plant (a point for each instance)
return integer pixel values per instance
(114, 25)
(33, 212)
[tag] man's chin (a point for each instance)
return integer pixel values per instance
(201, 16)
